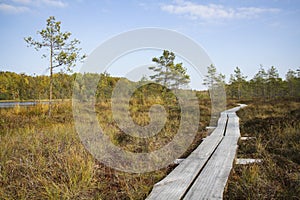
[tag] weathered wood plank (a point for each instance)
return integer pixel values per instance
(211, 182)
(246, 161)
(247, 138)
(175, 185)
(204, 174)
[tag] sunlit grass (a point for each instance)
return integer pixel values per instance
(42, 157)
(276, 126)
(48, 163)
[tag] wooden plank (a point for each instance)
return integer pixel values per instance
(178, 161)
(246, 161)
(247, 138)
(204, 174)
(211, 182)
(175, 185)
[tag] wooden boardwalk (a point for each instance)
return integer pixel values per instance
(204, 174)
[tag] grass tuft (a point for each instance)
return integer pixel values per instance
(275, 125)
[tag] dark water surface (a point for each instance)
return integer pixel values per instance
(13, 104)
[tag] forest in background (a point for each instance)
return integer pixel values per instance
(43, 157)
(266, 84)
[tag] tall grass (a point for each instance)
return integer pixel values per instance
(43, 158)
(276, 126)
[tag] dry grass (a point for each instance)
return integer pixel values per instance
(43, 158)
(275, 125)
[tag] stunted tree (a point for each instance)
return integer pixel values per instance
(216, 87)
(273, 82)
(163, 68)
(62, 52)
(168, 73)
(259, 83)
(179, 76)
(291, 79)
(237, 82)
(213, 79)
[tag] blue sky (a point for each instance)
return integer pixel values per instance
(246, 33)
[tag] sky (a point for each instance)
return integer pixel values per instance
(245, 33)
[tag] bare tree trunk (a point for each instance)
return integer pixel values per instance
(50, 92)
(239, 92)
(51, 80)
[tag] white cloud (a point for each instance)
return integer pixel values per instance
(213, 11)
(22, 1)
(54, 3)
(50, 3)
(6, 8)
(21, 6)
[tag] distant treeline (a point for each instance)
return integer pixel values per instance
(15, 86)
(265, 84)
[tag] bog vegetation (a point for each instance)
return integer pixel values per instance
(266, 84)
(41, 157)
(274, 126)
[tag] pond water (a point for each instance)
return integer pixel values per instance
(13, 104)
